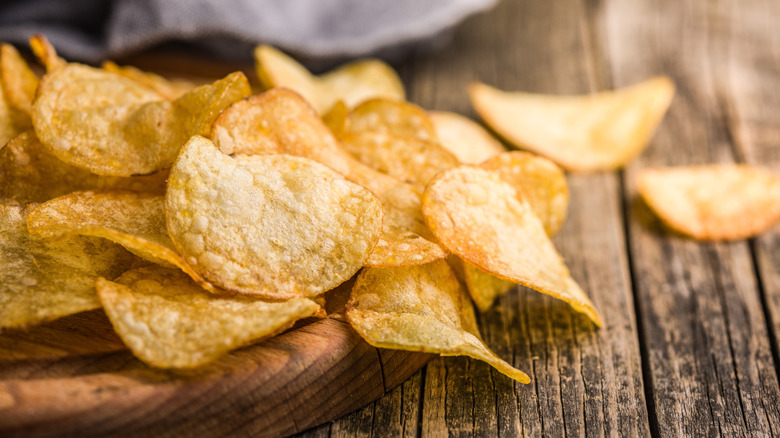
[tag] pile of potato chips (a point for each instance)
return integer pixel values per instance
(205, 218)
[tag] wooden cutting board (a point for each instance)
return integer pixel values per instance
(74, 377)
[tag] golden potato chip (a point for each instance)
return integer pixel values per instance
(420, 308)
(43, 279)
(336, 119)
(713, 202)
(29, 172)
(539, 181)
(8, 129)
(19, 84)
(168, 321)
(351, 83)
(44, 51)
(169, 89)
(465, 138)
(133, 220)
(280, 121)
(392, 116)
(484, 287)
(275, 226)
(479, 217)
(599, 131)
(113, 125)
(405, 158)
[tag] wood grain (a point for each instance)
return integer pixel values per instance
(707, 350)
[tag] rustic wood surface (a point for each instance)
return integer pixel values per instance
(690, 342)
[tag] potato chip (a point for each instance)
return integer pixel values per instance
(113, 125)
(275, 226)
(713, 202)
(405, 158)
(44, 51)
(479, 217)
(168, 321)
(133, 220)
(420, 308)
(8, 129)
(169, 89)
(43, 279)
(280, 121)
(19, 84)
(601, 131)
(29, 172)
(336, 119)
(351, 83)
(466, 139)
(539, 181)
(391, 116)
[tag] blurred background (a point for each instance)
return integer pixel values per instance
(319, 33)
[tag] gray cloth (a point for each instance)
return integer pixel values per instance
(315, 30)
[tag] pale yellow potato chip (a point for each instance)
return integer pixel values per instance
(484, 287)
(43, 279)
(600, 131)
(274, 226)
(391, 116)
(351, 83)
(110, 124)
(539, 181)
(133, 220)
(713, 202)
(280, 121)
(29, 172)
(420, 308)
(19, 83)
(405, 158)
(479, 217)
(170, 89)
(168, 321)
(465, 138)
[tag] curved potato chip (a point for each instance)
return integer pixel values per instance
(539, 181)
(392, 116)
(43, 279)
(336, 119)
(169, 89)
(275, 226)
(19, 84)
(168, 321)
(479, 217)
(29, 172)
(351, 83)
(713, 202)
(280, 121)
(420, 308)
(483, 287)
(8, 129)
(600, 131)
(465, 138)
(405, 158)
(44, 51)
(133, 220)
(112, 125)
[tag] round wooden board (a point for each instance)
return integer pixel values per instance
(73, 377)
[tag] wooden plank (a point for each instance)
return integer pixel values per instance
(585, 382)
(705, 340)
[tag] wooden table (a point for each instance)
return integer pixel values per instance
(690, 342)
